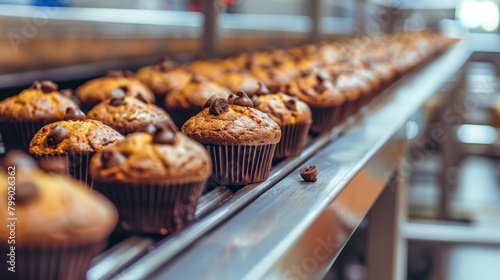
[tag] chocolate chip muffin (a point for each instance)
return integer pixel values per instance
(21, 116)
(126, 114)
(323, 97)
(155, 178)
(210, 69)
(239, 80)
(292, 115)
(241, 139)
(74, 140)
(97, 90)
(188, 101)
(59, 224)
(164, 77)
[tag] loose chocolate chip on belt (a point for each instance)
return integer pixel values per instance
(48, 86)
(309, 174)
(219, 106)
(112, 159)
(57, 135)
(25, 192)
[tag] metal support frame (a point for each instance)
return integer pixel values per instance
(210, 38)
(315, 14)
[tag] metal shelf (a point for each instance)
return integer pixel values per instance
(266, 229)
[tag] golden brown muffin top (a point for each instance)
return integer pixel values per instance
(164, 77)
(236, 81)
(350, 85)
(222, 123)
(283, 109)
(42, 101)
(316, 89)
(97, 90)
(195, 93)
(54, 210)
(161, 156)
(127, 114)
(75, 134)
(211, 69)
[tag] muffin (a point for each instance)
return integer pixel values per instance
(241, 139)
(324, 99)
(276, 76)
(239, 80)
(126, 114)
(188, 101)
(60, 226)
(210, 69)
(293, 117)
(74, 140)
(155, 178)
(97, 90)
(21, 116)
(163, 78)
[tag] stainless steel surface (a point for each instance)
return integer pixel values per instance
(118, 257)
(286, 226)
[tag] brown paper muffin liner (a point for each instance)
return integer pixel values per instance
(18, 134)
(349, 109)
(180, 115)
(153, 208)
(77, 165)
(293, 139)
(240, 164)
(326, 118)
(41, 263)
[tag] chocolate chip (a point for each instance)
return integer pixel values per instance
(141, 98)
(117, 97)
(277, 62)
(219, 106)
(322, 77)
(67, 92)
(243, 100)
(210, 100)
(231, 98)
(309, 174)
(320, 88)
(147, 128)
(164, 136)
(112, 159)
(263, 90)
(73, 114)
(18, 159)
(48, 86)
(304, 73)
(57, 135)
(25, 192)
(291, 104)
(249, 64)
(115, 73)
(36, 85)
(256, 101)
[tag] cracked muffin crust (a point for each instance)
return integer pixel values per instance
(36, 103)
(127, 114)
(283, 109)
(164, 77)
(97, 90)
(144, 160)
(73, 136)
(240, 125)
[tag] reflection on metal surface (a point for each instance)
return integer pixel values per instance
(477, 134)
(289, 220)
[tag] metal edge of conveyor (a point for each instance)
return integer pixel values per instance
(263, 238)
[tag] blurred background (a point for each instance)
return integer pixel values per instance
(452, 213)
